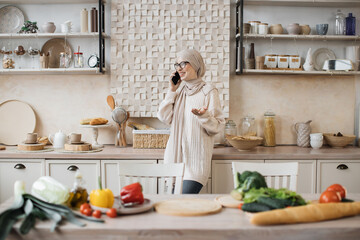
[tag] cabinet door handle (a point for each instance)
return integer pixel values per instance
(342, 167)
(19, 166)
(72, 168)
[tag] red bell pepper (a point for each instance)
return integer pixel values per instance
(132, 194)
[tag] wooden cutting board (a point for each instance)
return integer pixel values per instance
(188, 207)
(30, 147)
(77, 147)
(228, 201)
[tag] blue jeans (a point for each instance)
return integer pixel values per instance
(191, 187)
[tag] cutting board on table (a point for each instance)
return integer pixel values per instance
(30, 147)
(228, 201)
(78, 147)
(188, 207)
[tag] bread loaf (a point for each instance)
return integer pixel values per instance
(85, 121)
(308, 213)
(138, 126)
(98, 121)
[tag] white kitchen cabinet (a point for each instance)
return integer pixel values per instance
(222, 177)
(110, 173)
(64, 171)
(27, 170)
(344, 172)
(306, 180)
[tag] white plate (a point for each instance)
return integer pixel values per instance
(320, 56)
(146, 206)
(17, 119)
(11, 19)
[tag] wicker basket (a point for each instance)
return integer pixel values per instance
(339, 142)
(150, 138)
(244, 143)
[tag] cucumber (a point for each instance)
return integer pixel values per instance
(255, 207)
(346, 200)
(273, 203)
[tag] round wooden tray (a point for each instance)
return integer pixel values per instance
(228, 201)
(30, 147)
(78, 147)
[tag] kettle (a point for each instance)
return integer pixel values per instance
(303, 131)
(58, 140)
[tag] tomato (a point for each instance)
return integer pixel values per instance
(111, 212)
(84, 206)
(338, 188)
(96, 214)
(330, 196)
(240, 206)
(87, 212)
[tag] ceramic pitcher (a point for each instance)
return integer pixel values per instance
(303, 131)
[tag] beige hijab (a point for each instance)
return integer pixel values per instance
(187, 88)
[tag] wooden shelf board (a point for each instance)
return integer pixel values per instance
(47, 1)
(304, 3)
(51, 35)
(300, 37)
(292, 72)
(52, 71)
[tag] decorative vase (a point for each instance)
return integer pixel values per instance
(276, 29)
(293, 29)
(305, 29)
(48, 27)
(309, 64)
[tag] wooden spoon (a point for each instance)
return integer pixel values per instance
(111, 102)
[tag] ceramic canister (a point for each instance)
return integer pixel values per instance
(276, 29)
(271, 61)
(294, 61)
(283, 61)
(293, 29)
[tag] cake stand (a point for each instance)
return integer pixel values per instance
(95, 133)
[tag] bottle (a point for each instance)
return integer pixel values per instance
(350, 24)
(94, 19)
(340, 23)
(230, 129)
(252, 51)
(78, 194)
(248, 127)
(269, 129)
(84, 20)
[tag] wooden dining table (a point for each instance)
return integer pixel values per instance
(229, 223)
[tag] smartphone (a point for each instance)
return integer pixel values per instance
(175, 78)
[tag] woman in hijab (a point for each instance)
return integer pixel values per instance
(192, 108)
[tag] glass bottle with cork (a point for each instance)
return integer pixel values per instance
(269, 129)
(78, 194)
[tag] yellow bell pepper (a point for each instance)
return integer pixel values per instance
(102, 197)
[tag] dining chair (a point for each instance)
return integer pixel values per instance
(154, 178)
(277, 175)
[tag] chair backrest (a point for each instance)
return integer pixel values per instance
(154, 178)
(277, 175)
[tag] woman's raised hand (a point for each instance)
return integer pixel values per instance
(199, 111)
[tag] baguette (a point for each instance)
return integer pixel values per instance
(138, 126)
(98, 121)
(85, 121)
(308, 213)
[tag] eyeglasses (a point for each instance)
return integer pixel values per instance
(180, 65)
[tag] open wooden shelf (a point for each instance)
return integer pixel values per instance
(52, 71)
(294, 72)
(303, 3)
(48, 1)
(51, 35)
(300, 37)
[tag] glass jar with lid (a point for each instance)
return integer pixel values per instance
(248, 127)
(78, 60)
(8, 60)
(64, 60)
(269, 129)
(230, 129)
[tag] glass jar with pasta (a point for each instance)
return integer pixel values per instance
(269, 129)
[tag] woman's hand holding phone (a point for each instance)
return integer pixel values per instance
(175, 81)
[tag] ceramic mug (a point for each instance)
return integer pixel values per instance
(316, 143)
(322, 29)
(31, 138)
(74, 137)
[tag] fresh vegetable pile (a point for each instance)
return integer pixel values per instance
(29, 208)
(257, 197)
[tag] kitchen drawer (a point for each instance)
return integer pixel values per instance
(27, 170)
(222, 177)
(306, 180)
(344, 172)
(110, 174)
(64, 171)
